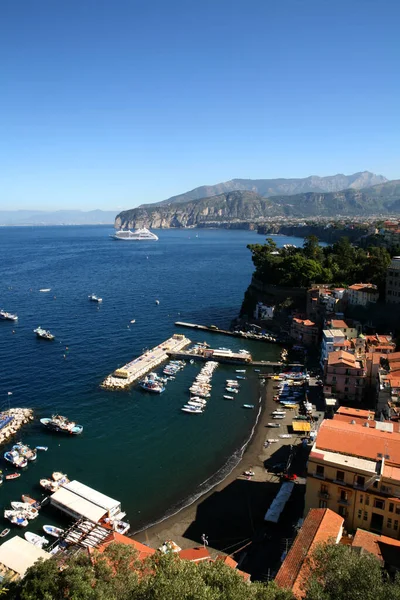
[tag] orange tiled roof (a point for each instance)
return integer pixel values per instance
(320, 525)
(345, 343)
(233, 564)
(373, 542)
(356, 440)
(348, 419)
(395, 356)
(144, 551)
(361, 286)
(338, 324)
(195, 554)
(343, 358)
(355, 412)
(306, 322)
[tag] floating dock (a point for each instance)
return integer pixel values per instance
(124, 376)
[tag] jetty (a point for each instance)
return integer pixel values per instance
(247, 335)
(12, 420)
(124, 376)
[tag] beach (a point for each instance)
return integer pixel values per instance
(229, 513)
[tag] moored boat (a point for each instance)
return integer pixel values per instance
(15, 459)
(53, 531)
(248, 405)
(61, 424)
(43, 448)
(31, 501)
(29, 511)
(4, 532)
(16, 518)
(94, 298)
(43, 333)
(151, 386)
(228, 397)
(36, 540)
(13, 475)
(25, 451)
(6, 316)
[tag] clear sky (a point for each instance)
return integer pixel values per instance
(111, 103)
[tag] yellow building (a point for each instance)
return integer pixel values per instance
(354, 469)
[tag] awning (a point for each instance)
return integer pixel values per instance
(301, 426)
(76, 506)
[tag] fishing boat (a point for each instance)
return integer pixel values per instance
(94, 298)
(6, 316)
(151, 386)
(228, 397)
(248, 405)
(16, 518)
(240, 377)
(36, 540)
(4, 532)
(43, 334)
(232, 390)
(49, 485)
(13, 475)
(53, 531)
(28, 500)
(43, 448)
(26, 509)
(25, 451)
(60, 477)
(133, 321)
(157, 302)
(15, 459)
(191, 410)
(62, 425)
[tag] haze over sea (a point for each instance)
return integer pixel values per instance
(136, 447)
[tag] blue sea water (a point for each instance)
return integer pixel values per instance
(136, 447)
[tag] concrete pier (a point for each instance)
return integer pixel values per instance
(124, 376)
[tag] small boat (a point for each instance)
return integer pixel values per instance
(61, 425)
(133, 321)
(151, 386)
(94, 298)
(240, 377)
(273, 424)
(6, 316)
(1, 477)
(191, 361)
(232, 390)
(28, 500)
(49, 485)
(25, 451)
(43, 448)
(45, 290)
(4, 532)
(249, 473)
(157, 302)
(240, 370)
(16, 518)
(43, 334)
(228, 397)
(54, 531)
(29, 511)
(36, 540)
(59, 477)
(257, 370)
(15, 459)
(13, 475)
(248, 405)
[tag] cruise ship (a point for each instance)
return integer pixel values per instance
(138, 235)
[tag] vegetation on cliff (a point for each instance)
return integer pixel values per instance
(340, 264)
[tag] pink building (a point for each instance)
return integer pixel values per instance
(344, 377)
(304, 331)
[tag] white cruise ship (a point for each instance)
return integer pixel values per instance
(138, 235)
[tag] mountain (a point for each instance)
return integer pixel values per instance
(59, 217)
(276, 187)
(246, 206)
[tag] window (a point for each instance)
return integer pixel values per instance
(342, 511)
(379, 504)
(391, 506)
(375, 485)
(360, 481)
(347, 380)
(344, 496)
(389, 523)
(361, 498)
(340, 476)
(365, 515)
(359, 514)
(397, 509)
(367, 500)
(396, 525)
(319, 471)
(346, 389)
(324, 488)
(323, 504)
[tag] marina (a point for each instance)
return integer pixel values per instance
(124, 376)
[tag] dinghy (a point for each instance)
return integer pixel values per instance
(54, 531)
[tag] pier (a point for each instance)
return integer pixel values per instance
(240, 334)
(124, 376)
(12, 420)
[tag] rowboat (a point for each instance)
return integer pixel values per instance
(44, 448)
(54, 531)
(13, 475)
(4, 532)
(228, 397)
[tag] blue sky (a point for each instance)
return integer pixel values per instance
(111, 103)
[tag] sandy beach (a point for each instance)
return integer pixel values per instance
(230, 513)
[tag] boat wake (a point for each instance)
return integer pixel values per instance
(210, 482)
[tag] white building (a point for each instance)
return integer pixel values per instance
(263, 312)
(331, 340)
(362, 294)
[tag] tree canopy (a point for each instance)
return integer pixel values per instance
(340, 264)
(117, 574)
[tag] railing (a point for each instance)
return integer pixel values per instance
(343, 501)
(324, 495)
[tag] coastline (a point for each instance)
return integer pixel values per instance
(181, 527)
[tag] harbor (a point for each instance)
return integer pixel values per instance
(124, 376)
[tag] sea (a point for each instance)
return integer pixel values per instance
(136, 447)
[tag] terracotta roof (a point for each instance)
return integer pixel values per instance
(356, 440)
(363, 286)
(195, 554)
(373, 542)
(144, 551)
(320, 525)
(338, 324)
(305, 322)
(391, 472)
(355, 412)
(395, 356)
(233, 564)
(345, 343)
(349, 418)
(343, 358)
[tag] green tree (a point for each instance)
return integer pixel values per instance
(338, 572)
(312, 249)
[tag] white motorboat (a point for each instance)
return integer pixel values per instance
(138, 235)
(54, 531)
(6, 316)
(228, 397)
(16, 518)
(36, 540)
(192, 410)
(25, 509)
(94, 298)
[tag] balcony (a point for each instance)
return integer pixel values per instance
(340, 482)
(324, 495)
(344, 502)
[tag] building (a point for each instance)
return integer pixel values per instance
(16, 556)
(332, 339)
(354, 469)
(350, 329)
(304, 331)
(392, 295)
(263, 312)
(362, 294)
(344, 377)
(142, 550)
(320, 526)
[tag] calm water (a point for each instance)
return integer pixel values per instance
(135, 447)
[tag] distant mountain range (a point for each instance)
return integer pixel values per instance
(359, 197)
(59, 217)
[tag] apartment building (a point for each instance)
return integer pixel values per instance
(350, 329)
(362, 294)
(332, 340)
(344, 377)
(354, 469)
(304, 331)
(392, 295)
